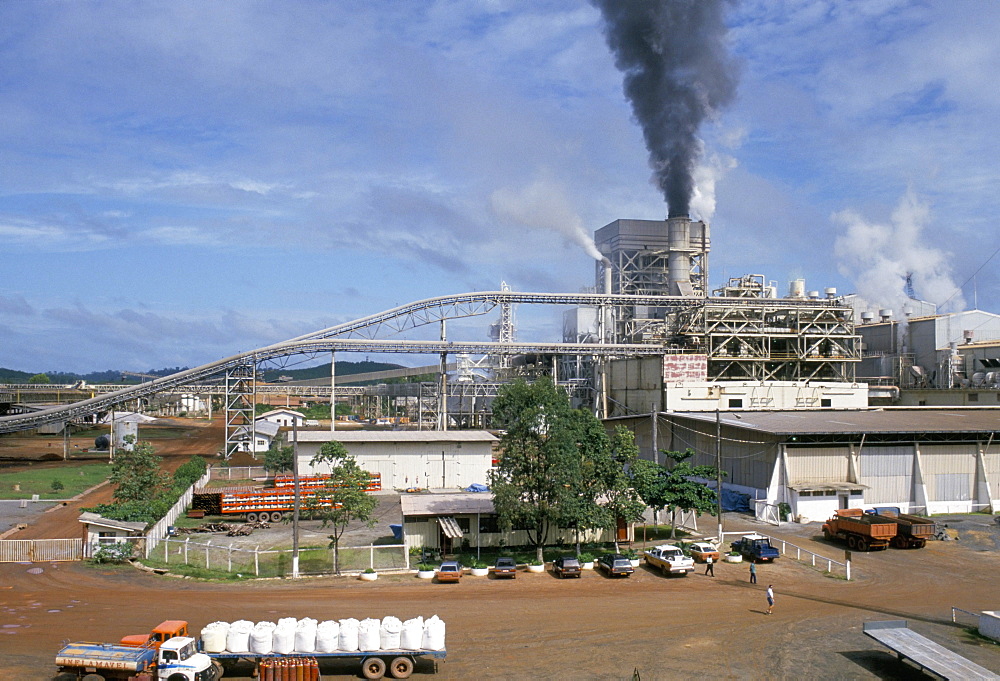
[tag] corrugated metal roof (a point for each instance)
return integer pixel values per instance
(450, 527)
(446, 504)
(397, 436)
(903, 420)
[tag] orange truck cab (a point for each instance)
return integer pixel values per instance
(164, 631)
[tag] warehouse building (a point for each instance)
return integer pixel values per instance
(409, 459)
(923, 460)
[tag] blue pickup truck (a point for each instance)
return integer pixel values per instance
(755, 547)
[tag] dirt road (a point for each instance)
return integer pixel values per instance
(538, 627)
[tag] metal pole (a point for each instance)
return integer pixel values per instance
(443, 397)
(333, 391)
(656, 439)
(295, 506)
(718, 467)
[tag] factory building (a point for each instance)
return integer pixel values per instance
(922, 460)
(425, 459)
(946, 359)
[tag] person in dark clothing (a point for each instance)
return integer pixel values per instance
(753, 572)
(709, 566)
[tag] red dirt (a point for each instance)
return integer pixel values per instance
(537, 626)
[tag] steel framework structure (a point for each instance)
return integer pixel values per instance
(240, 382)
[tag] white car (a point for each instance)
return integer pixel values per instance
(669, 559)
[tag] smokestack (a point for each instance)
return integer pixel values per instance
(607, 276)
(679, 257)
(677, 73)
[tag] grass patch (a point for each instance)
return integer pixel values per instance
(46, 482)
(196, 572)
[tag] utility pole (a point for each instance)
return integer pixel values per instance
(718, 467)
(295, 503)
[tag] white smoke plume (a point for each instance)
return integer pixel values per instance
(544, 204)
(706, 175)
(877, 257)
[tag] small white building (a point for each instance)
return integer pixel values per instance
(98, 530)
(264, 435)
(427, 459)
(446, 521)
(284, 418)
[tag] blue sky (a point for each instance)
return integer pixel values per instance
(180, 181)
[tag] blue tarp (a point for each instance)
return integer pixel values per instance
(735, 501)
(397, 531)
(477, 487)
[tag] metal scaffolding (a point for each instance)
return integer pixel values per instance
(240, 401)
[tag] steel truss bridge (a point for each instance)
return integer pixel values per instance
(362, 335)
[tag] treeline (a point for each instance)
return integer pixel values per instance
(109, 376)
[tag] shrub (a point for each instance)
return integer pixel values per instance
(425, 567)
(57, 485)
(119, 552)
(586, 557)
(369, 571)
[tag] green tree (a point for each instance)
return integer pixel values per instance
(278, 459)
(673, 488)
(344, 498)
(40, 378)
(135, 470)
(550, 472)
(621, 499)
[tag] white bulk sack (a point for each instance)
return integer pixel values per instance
(305, 636)
(369, 638)
(238, 636)
(433, 634)
(412, 636)
(283, 638)
(262, 638)
(327, 636)
(348, 640)
(214, 636)
(389, 633)
(287, 622)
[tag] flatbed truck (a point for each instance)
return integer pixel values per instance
(376, 664)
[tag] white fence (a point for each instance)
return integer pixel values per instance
(237, 472)
(157, 532)
(40, 550)
(222, 555)
(786, 548)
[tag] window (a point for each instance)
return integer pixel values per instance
(735, 403)
(973, 397)
(107, 537)
(488, 523)
(464, 524)
(825, 402)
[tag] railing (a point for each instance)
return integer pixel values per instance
(237, 472)
(278, 562)
(40, 550)
(811, 557)
(954, 611)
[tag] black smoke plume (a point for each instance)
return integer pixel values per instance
(678, 72)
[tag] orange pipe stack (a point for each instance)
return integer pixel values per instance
(289, 669)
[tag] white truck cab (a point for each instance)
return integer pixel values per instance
(179, 660)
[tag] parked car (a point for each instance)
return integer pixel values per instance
(505, 568)
(702, 550)
(615, 564)
(449, 571)
(755, 547)
(567, 566)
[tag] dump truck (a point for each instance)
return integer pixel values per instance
(264, 503)
(176, 659)
(859, 530)
(912, 531)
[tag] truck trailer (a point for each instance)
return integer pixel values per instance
(912, 531)
(859, 530)
(265, 503)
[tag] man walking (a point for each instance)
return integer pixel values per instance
(709, 566)
(753, 572)
(770, 598)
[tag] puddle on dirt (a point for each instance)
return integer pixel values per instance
(36, 571)
(54, 610)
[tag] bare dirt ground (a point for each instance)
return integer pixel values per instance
(540, 627)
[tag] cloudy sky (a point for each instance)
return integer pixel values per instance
(180, 181)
